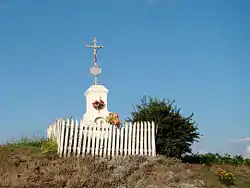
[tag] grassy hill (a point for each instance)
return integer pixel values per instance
(34, 164)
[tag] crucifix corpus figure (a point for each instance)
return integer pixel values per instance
(95, 71)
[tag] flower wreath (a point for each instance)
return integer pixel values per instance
(98, 105)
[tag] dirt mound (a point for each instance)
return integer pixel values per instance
(20, 167)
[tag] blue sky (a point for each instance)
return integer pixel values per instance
(195, 52)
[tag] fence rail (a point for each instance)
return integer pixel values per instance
(74, 138)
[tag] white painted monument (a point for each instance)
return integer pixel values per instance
(96, 113)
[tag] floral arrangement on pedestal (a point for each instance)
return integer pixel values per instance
(113, 119)
(98, 105)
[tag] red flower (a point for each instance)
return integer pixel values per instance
(98, 105)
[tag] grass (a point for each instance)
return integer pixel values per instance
(41, 144)
(34, 163)
(27, 142)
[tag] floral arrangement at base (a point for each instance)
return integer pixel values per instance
(98, 105)
(225, 177)
(113, 119)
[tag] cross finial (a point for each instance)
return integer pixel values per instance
(95, 71)
(95, 47)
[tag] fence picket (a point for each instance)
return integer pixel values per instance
(97, 140)
(133, 140)
(66, 141)
(62, 138)
(58, 123)
(85, 136)
(130, 139)
(118, 132)
(71, 128)
(57, 132)
(122, 140)
(101, 141)
(153, 139)
(109, 141)
(89, 135)
(145, 138)
(106, 133)
(137, 137)
(80, 139)
(75, 138)
(113, 140)
(141, 139)
(93, 140)
(126, 139)
(149, 139)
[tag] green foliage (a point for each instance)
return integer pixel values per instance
(43, 144)
(210, 159)
(175, 134)
(49, 146)
(27, 142)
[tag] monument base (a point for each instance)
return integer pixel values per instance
(93, 116)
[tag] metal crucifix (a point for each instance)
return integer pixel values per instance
(95, 71)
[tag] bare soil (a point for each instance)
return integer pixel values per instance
(27, 167)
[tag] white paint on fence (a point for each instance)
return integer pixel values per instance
(85, 136)
(66, 140)
(75, 138)
(133, 141)
(153, 139)
(79, 149)
(141, 141)
(137, 137)
(126, 141)
(145, 138)
(129, 141)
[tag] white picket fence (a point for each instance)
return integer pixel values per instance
(75, 138)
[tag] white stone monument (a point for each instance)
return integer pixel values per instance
(96, 92)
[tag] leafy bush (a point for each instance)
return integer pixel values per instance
(175, 133)
(247, 161)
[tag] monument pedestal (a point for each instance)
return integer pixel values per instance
(93, 116)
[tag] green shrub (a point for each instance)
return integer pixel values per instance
(49, 146)
(175, 134)
(210, 158)
(247, 161)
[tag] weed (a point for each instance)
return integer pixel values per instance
(49, 146)
(225, 177)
